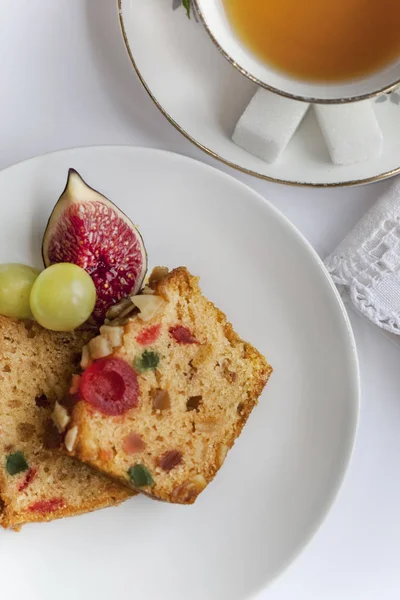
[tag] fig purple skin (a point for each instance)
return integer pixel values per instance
(87, 229)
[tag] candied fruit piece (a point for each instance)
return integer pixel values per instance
(133, 443)
(75, 383)
(147, 361)
(29, 477)
(161, 400)
(46, 506)
(16, 463)
(170, 460)
(149, 335)
(194, 402)
(110, 385)
(140, 476)
(182, 335)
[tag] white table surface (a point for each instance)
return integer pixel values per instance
(65, 81)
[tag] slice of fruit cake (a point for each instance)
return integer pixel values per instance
(163, 397)
(37, 482)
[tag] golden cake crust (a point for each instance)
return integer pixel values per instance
(212, 384)
(35, 371)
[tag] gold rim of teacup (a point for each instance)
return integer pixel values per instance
(309, 99)
(209, 152)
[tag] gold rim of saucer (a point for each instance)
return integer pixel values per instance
(350, 183)
(310, 100)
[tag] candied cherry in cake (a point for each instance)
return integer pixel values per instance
(110, 385)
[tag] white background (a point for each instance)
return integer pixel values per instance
(66, 80)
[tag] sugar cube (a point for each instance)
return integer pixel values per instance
(268, 124)
(351, 131)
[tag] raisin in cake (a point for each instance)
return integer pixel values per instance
(38, 483)
(167, 394)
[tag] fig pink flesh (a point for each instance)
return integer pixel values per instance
(93, 236)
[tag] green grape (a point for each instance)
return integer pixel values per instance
(16, 282)
(63, 297)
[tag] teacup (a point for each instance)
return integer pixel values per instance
(212, 14)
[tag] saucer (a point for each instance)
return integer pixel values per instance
(203, 96)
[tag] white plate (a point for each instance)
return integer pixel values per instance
(285, 470)
(203, 95)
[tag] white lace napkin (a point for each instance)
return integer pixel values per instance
(366, 265)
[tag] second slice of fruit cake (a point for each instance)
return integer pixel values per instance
(162, 409)
(37, 482)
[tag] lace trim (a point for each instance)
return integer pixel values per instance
(376, 259)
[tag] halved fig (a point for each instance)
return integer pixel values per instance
(87, 229)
